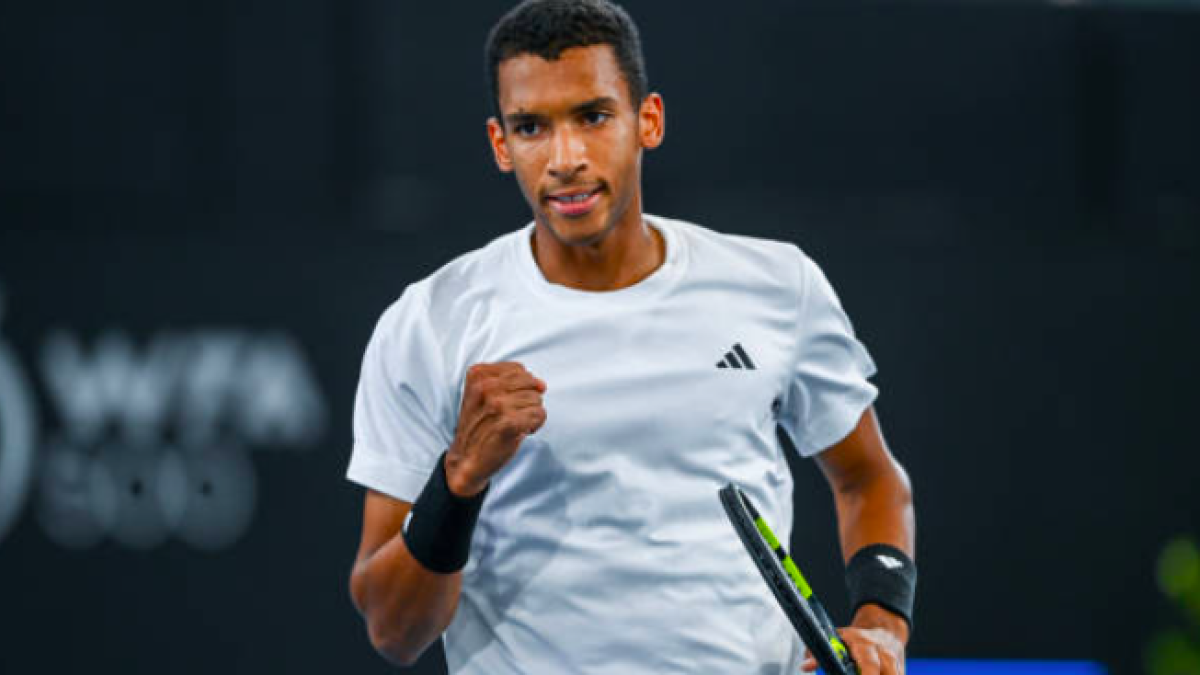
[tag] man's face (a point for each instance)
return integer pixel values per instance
(574, 139)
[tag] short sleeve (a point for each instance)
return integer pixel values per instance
(399, 402)
(828, 388)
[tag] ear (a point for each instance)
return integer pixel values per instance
(499, 147)
(652, 121)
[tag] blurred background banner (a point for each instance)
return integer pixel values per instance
(204, 208)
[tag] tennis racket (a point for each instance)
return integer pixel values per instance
(794, 594)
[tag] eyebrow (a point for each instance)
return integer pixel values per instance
(513, 119)
(597, 103)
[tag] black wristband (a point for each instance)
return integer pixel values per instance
(438, 529)
(883, 575)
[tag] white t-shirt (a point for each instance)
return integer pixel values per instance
(602, 548)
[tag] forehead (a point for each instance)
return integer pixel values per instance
(530, 83)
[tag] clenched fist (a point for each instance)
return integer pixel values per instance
(501, 405)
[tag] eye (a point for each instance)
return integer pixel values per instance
(527, 128)
(595, 117)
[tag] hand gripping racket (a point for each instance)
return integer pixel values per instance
(791, 590)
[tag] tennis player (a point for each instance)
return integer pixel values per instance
(542, 425)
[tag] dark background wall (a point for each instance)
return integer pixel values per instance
(205, 206)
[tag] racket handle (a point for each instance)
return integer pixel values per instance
(848, 666)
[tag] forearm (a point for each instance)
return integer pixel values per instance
(878, 510)
(405, 605)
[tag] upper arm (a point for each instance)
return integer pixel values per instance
(859, 458)
(402, 421)
(827, 386)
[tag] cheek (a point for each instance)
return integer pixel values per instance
(528, 185)
(622, 158)
(530, 158)
(528, 163)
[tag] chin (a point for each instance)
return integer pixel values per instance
(578, 232)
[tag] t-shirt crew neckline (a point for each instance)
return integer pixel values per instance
(656, 284)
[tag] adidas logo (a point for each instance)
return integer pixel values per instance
(737, 358)
(889, 562)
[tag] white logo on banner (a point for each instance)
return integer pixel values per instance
(153, 435)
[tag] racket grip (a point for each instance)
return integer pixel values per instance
(845, 661)
(822, 616)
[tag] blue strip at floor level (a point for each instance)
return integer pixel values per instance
(953, 667)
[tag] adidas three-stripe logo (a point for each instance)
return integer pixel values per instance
(737, 358)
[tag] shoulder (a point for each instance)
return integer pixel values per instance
(770, 260)
(470, 273)
(449, 292)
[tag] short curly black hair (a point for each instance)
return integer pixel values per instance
(548, 27)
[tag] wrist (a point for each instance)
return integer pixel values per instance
(873, 616)
(885, 577)
(438, 530)
(459, 479)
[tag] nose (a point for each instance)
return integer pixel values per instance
(568, 155)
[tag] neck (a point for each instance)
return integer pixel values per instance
(630, 252)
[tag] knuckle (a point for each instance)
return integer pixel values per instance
(476, 395)
(475, 387)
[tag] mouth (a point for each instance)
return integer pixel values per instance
(574, 203)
